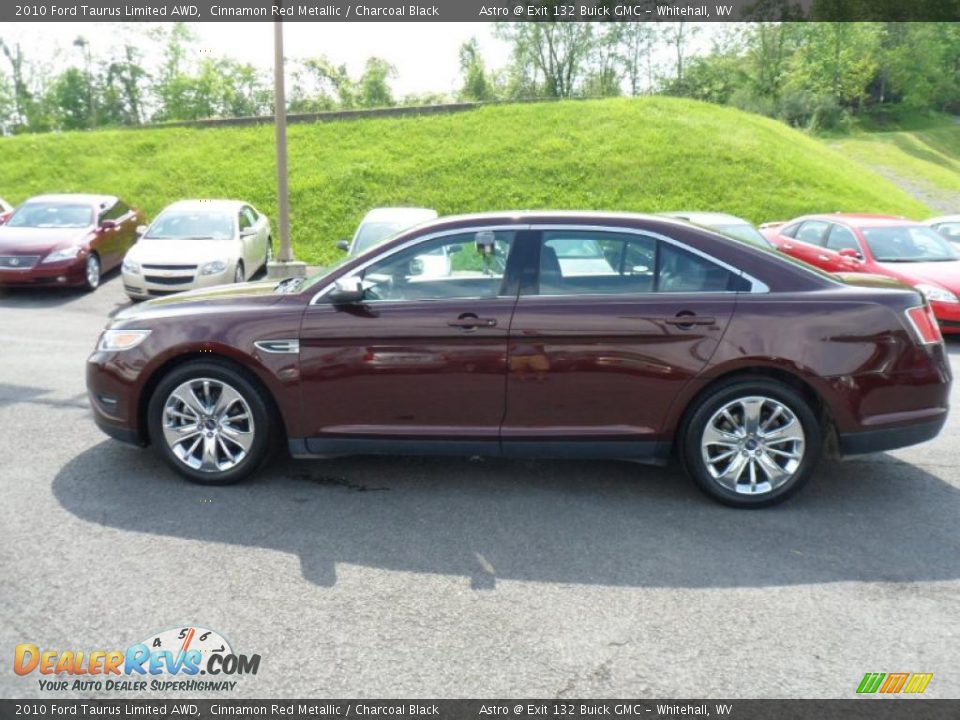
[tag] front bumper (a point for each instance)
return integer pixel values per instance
(151, 283)
(113, 401)
(66, 273)
(948, 316)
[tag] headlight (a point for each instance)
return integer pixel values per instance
(116, 340)
(67, 253)
(131, 266)
(936, 294)
(213, 268)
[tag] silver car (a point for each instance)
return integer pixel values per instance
(197, 243)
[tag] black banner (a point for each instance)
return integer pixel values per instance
(872, 709)
(476, 10)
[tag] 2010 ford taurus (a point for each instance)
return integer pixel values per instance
(736, 359)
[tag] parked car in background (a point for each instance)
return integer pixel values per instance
(686, 354)
(726, 224)
(946, 225)
(879, 244)
(197, 243)
(380, 223)
(6, 210)
(66, 240)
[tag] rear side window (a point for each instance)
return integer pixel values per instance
(609, 263)
(812, 232)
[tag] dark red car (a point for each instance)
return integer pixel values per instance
(912, 253)
(66, 240)
(547, 334)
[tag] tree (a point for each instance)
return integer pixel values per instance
(374, 86)
(476, 84)
(555, 51)
(636, 46)
(678, 35)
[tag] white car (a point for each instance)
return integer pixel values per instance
(946, 225)
(380, 223)
(197, 243)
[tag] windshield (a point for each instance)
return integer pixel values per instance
(908, 244)
(191, 225)
(51, 215)
(745, 232)
(374, 233)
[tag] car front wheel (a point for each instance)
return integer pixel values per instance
(91, 272)
(238, 273)
(210, 423)
(751, 443)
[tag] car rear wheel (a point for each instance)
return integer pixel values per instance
(210, 423)
(238, 273)
(751, 443)
(91, 276)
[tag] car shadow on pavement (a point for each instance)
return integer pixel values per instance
(29, 296)
(603, 523)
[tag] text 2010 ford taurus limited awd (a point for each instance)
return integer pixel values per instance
(671, 338)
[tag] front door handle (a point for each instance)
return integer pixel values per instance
(470, 322)
(689, 320)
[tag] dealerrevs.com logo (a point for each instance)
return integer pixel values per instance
(166, 661)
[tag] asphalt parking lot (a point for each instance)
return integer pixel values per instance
(385, 577)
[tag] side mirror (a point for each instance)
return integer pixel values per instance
(141, 229)
(850, 253)
(343, 245)
(347, 291)
(108, 224)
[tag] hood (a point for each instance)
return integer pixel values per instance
(166, 252)
(945, 274)
(212, 299)
(38, 241)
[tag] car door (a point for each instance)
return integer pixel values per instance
(841, 239)
(600, 354)
(421, 359)
(258, 224)
(807, 243)
(112, 241)
(249, 242)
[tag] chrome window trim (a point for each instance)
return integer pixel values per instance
(415, 241)
(756, 286)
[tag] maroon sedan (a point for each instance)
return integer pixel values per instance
(66, 240)
(542, 334)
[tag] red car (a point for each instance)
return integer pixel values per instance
(671, 339)
(882, 245)
(66, 240)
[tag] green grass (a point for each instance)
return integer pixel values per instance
(645, 155)
(921, 156)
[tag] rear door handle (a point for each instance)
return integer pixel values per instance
(689, 320)
(472, 321)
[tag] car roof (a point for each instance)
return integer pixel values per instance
(942, 219)
(207, 204)
(401, 214)
(859, 220)
(76, 198)
(706, 218)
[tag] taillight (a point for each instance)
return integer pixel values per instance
(924, 324)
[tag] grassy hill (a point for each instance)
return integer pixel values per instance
(921, 156)
(646, 154)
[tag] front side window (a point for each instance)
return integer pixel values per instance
(950, 230)
(465, 265)
(578, 262)
(842, 238)
(117, 211)
(244, 220)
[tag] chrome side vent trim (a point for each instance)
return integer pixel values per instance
(279, 346)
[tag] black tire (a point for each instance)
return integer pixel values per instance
(239, 274)
(264, 425)
(269, 253)
(692, 436)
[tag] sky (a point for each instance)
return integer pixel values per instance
(425, 54)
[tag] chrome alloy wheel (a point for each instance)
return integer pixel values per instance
(92, 271)
(752, 445)
(208, 425)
